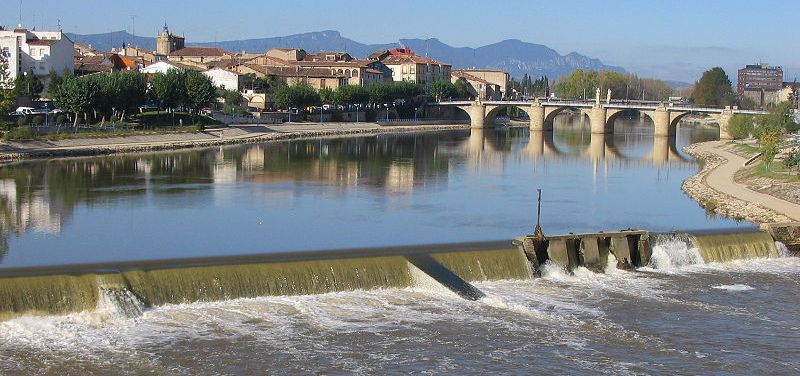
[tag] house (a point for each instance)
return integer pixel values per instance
(40, 51)
(159, 67)
(224, 78)
(339, 64)
(499, 79)
(315, 77)
(203, 55)
(481, 88)
(417, 69)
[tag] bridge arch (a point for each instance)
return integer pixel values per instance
(551, 113)
(613, 115)
(493, 111)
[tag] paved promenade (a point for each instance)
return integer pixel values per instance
(721, 179)
(10, 151)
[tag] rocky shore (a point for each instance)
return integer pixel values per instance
(721, 203)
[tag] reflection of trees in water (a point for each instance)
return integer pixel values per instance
(41, 196)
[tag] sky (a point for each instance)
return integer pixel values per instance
(669, 39)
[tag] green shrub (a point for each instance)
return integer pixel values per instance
(741, 126)
(22, 121)
(61, 119)
(37, 120)
(20, 133)
(793, 159)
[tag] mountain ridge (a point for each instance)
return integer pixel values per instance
(511, 55)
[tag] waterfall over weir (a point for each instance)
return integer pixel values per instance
(133, 287)
(126, 289)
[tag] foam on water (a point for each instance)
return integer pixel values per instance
(783, 251)
(736, 287)
(674, 251)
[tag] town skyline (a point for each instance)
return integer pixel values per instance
(664, 47)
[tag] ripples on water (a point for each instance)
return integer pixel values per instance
(678, 316)
(702, 320)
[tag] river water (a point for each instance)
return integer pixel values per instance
(676, 316)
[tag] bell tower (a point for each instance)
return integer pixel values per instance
(167, 43)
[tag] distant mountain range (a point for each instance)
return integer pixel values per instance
(513, 56)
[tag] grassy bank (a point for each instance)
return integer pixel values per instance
(149, 123)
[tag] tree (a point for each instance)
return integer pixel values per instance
(464, 90)
(442, 89)
(740, 126)
(7, 96)
(169, 89)
(713, 88)
(351, 94)
(132, 91)
(255, 83)
(54, 80)
(77, 95)
(200, 91)
(326, 95)
(28, 84)
(300, 95)
(771, 127)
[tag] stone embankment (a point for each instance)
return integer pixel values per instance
(719, 202)
(83, 147)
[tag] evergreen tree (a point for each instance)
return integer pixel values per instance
(713, 88)
(28, 84)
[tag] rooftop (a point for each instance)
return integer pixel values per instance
(200, 51)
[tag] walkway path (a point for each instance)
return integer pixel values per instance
(214, 136)
(721, 179)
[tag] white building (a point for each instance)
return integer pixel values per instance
(42, 51)
(223, 78)
(160, 67)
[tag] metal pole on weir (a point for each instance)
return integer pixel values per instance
(537, 232)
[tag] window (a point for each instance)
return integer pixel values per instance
(413, 70)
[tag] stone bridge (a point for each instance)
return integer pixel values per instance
(665, 116)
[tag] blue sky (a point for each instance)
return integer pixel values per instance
(646, 36)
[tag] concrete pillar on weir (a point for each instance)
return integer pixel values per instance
(661, 121)
(597, 119)
(536, 113)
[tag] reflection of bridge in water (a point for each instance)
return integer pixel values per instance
(601, 147)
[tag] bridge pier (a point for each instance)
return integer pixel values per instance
(477, 115)
(597, 119)
(536, 113)
(661, 120)
(724, 120)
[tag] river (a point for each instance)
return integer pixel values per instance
(679, 315)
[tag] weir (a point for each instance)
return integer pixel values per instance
(60, 290)
(131, 287)
(635, 248)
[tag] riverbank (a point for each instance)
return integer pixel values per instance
(240, 134)
(716, 189)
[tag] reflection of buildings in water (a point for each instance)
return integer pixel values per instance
(29, 212)
(253, 159)
(400, 177)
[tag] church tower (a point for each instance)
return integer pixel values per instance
(167, 43)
